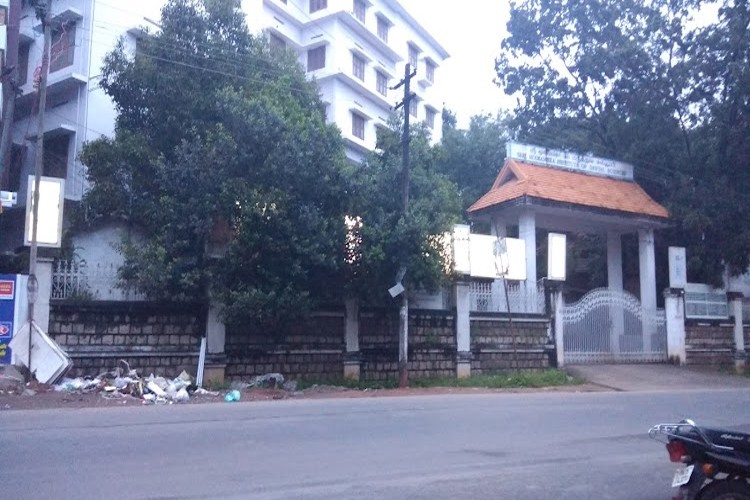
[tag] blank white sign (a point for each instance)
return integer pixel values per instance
(49, 228)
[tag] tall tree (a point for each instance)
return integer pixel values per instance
(223, 161)
(384, 237)
(646, 83)
(472, 158)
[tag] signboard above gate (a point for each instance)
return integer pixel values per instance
(557, 158)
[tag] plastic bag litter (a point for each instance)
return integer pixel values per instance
(122, 382)
(185, 377)
(77, 384)
(161, 382)
(154, 388)
(204, 392)
(232, 396)
(182, 396)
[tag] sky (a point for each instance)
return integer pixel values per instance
(471, 31)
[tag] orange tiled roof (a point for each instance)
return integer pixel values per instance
(518, 179)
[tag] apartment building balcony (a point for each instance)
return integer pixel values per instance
(361, 30)
(61, 85)
(358, 86)
(286, 12)
(67, 65)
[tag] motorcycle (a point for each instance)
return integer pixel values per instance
(716, 461)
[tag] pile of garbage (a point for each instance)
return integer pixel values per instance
(126, 383)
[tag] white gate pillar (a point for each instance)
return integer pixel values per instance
(647, 265)
(740, 357)
(352, 358)
(556, 298)
(463, 329)
(527, 232)
(216, 338)
(614, 261)
(674, 311)
(44, 273)
(615, 283)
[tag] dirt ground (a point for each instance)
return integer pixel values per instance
(46, 397)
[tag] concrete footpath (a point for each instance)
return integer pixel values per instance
(656, 377)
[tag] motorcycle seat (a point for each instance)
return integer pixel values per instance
(740, 441)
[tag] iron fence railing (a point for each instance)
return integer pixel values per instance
(489, 296)
(76, 279)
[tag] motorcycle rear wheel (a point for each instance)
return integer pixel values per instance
(726, 490)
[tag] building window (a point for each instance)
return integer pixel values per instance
(430, 71)
(413, 107)
(360, 10)
(316, 58)
(278, 44)
(63, 48)
(413, 56)
(430, 118)
(381, 83)
(358, 126)
(358, 67)
(56, 156)
(23, 63)
(383, 28)
(316, 5)
(3, 16)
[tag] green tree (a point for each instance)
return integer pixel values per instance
(472, 158)
(644, 83)
(386, 238)
(223, 161)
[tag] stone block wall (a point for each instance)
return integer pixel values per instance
(165, 339)
(312, 349)
(709, 344)
(159, 338)
(492, 344)
(432, 344)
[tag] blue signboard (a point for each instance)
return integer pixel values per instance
(8, 294)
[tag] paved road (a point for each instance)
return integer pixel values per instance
(656, 377)
(520, 446)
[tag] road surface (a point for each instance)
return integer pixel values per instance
(515, 446)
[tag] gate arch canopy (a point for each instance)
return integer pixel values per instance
(611, 326)
(563, 191)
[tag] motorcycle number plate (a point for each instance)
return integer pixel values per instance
(682, 476)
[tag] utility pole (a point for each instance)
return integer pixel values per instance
(403, 324)
(45, 15)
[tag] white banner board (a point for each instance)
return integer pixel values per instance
(488, 260)
(584, 163)
(556, 256)
(677, 268)
(51, 199)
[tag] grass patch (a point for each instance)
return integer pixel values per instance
(213, 385)
(359, 385)
(547, 378)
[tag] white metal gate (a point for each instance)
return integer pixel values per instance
(611, 326)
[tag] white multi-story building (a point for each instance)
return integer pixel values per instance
(83, 32)
(357, 50)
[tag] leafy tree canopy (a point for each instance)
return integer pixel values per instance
(223, 160)
(645, 83)
(388, 239)
(472, 158)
